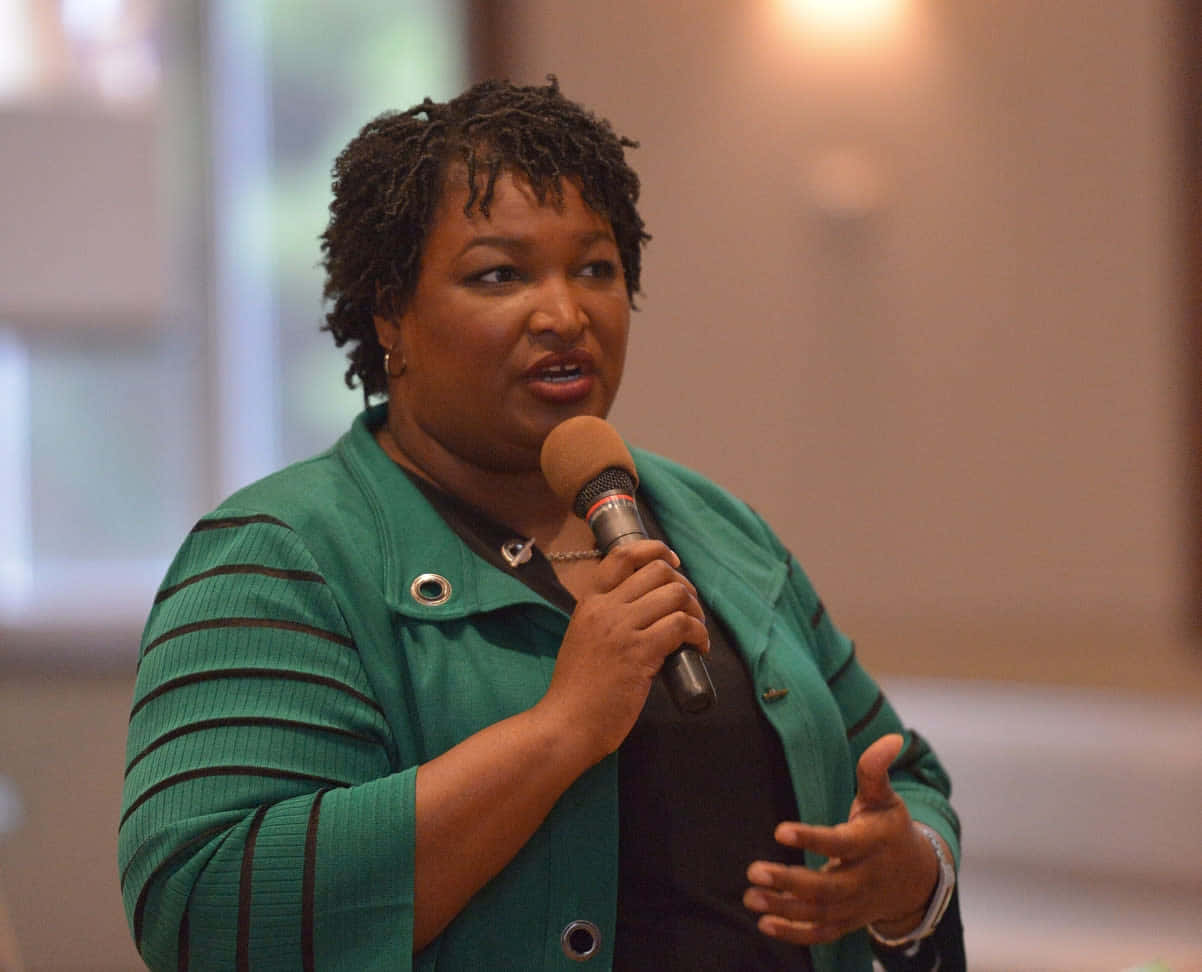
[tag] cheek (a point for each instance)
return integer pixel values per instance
(614, 327)
(458, 342)
(462, 369)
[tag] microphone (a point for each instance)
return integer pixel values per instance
(588, 465)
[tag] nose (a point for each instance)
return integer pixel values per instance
(558, 313)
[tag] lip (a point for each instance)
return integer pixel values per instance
(578, 382)
(581, 360)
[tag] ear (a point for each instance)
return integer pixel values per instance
(388, 331)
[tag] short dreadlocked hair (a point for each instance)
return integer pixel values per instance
(389, 179)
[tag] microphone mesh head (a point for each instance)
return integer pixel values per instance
(578, 451)
(607, 481)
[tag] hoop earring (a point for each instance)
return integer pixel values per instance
(387, 365)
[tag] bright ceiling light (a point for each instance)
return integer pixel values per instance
(846, 16)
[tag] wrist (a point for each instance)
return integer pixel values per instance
(922, 921)
(565, 740)
(893, 929)
(921, 877)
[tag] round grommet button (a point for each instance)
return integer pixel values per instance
(580, 940)
(430, 590)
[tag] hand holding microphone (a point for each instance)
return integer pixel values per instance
(587, 465)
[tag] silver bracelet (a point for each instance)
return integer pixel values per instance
(939, 898)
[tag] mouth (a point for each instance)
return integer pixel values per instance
(560, 373)
(562, 368)
(562, 377)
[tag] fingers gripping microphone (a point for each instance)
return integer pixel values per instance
(588, 465)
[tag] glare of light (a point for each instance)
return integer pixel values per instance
(846, 16)
(90, 19)
(16, 531)
(112, 47)
(18, 71)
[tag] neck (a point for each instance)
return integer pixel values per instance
(518, 498)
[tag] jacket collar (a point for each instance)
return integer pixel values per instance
(415, 541)
(741, 575)
(741, 583)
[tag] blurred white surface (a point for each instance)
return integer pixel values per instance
(1081, 822)
(11, 809)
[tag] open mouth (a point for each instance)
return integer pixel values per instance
(561, 373)
(562, 379)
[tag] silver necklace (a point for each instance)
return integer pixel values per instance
(560, 556)
(517, 552)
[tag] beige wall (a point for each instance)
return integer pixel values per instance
(916, 297)
(960, 405)
(62, 743)
(917, 304)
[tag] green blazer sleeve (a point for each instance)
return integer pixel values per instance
(916, 775)
(826, 709)
(737, 559)
(265, 824)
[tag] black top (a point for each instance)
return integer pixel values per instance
(700, 796)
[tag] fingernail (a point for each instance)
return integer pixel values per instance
(787, 834)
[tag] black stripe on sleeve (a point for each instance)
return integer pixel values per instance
(843, 669)
(222, 523)
(908, 761)
(244, 890)
(911, 754)
(309, 886)
(192, 626)
(293, 575)
(871, 714)
(167, 862)
(219, 673)
(238, 722)
(183, 944)
(196, 774)
(819, 613)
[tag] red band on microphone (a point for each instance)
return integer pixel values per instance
(611, 498)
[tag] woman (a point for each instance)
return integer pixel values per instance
(393, 710)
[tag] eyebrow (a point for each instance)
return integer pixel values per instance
(526, 243)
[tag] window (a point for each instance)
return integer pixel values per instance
(161, 290)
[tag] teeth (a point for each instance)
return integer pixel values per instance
(561, 373)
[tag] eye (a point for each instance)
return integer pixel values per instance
(497, 275)
(601, 269)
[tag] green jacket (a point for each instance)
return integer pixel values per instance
(291, 681)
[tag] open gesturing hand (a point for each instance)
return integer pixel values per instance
(880, 869)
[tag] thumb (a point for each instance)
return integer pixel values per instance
(872, 772)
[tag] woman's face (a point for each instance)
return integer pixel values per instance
(519, 320)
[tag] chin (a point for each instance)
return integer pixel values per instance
(597, 411)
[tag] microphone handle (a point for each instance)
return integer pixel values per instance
(615, 520)
(688, 680)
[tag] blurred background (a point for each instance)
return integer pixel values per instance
(925, 288)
